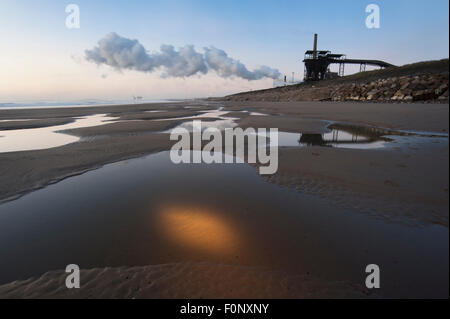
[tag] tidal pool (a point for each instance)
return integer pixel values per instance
(337, 137)
(46, 137)
(148, 211)
(213, 118)
(359, 137)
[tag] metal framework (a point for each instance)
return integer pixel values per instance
(317, 64)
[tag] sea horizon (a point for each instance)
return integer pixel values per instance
(38, 104)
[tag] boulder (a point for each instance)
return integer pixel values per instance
(408, 98)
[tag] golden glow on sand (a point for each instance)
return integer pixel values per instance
(200, 229)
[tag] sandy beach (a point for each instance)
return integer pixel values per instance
(184, 281)
(400, 172)
(225, 159)
(404, 183)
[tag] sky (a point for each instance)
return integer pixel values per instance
(42, 59)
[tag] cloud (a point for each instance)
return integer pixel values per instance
(127, 54)
(219, 61)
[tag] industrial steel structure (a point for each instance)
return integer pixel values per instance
(317, 63)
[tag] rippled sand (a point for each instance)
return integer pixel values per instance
(183, 281)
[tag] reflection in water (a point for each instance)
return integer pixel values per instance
(47, 137)
(347, 136)
(221, 124)
(214, 118)
(15, 120)
(312, 139)
(340, 136)
(336, 138)
(199, 229)
(341, 139)
(149, 211)
(255, 113)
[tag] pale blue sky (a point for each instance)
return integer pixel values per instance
(36, 43)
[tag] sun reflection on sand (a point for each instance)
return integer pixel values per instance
(200, 229)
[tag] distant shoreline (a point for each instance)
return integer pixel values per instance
(57, 105)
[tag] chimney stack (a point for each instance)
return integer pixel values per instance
(315, 46)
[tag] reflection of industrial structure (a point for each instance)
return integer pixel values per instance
(333, 139)
(345, 134)
(317, 63)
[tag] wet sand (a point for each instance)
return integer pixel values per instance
(415, 174)
(406, 182)
(421, 117)
(404, 179)
(27, 171)
(149, 211)
(27, 124)
(184, 281)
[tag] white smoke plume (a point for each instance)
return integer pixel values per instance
(126, 54)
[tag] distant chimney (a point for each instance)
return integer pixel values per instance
(315, 46)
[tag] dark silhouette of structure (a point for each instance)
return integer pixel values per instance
(317, 64)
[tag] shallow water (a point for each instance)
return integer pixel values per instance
(255, 113)
(339, 136)
(360, 137)
(46, 137)
(148, 211)
(336, 138)
(20, 120)
(216, 119)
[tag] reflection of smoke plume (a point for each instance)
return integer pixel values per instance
(126, 54)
